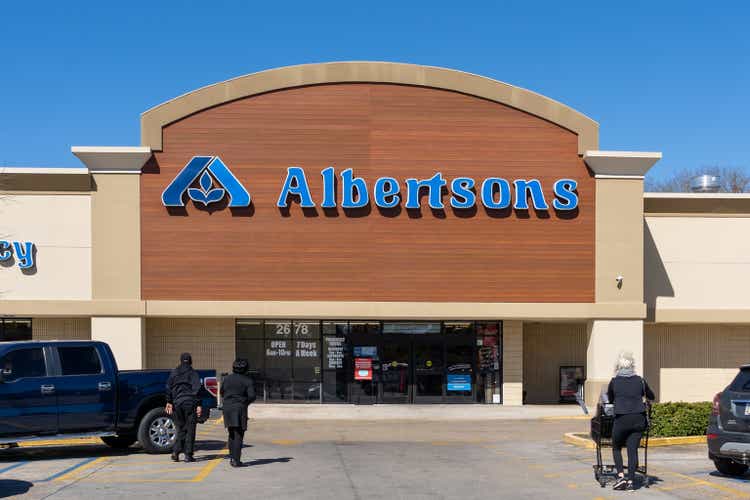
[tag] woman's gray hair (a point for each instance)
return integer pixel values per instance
(625, 362)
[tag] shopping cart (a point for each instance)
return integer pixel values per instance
(601, 433)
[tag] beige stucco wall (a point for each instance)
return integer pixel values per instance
(61, 328)
(60, 226)
(697, 263)
(210, 341)
(685, 362)
(619, 240)
(125, 336)
(116, 233)
(547, 347)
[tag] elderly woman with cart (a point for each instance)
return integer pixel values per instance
(622, 421)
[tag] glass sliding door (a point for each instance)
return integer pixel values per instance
(395, 378)
(429, 368)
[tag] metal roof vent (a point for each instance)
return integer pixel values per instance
(705, 184)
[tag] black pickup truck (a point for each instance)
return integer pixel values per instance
(728, 432)
(64, 389)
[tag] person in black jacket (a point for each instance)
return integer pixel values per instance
(237, 392)
(627, 390)
(183, 405)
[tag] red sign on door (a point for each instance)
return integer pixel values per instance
(362, 368)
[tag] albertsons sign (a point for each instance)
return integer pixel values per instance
(207, 180)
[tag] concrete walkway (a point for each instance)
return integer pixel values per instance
(437, 412)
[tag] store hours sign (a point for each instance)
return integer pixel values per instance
(207, 180)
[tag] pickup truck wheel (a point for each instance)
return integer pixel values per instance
(119, 442)
(157, 431)
(730, 468)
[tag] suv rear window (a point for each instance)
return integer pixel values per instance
(741, 382)
(79, 360)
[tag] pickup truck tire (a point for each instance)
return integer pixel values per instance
(730, 468)
(119, 442)
(157, 431)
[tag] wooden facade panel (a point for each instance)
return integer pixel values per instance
(368, 254)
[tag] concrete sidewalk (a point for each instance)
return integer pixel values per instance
(437, 412)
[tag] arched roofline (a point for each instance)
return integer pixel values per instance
(156, 118)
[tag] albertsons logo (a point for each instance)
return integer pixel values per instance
(215, 181)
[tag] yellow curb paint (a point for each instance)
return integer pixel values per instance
(75, 472)
(674, 441)
(571, 438)
(585, 442)
(60, 442)
(208, 468)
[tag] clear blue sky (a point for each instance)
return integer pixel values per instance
(657, 75)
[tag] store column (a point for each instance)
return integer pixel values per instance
(127, 338)
(618, 263)
(513, 363)
(607, 339)
(116, 250)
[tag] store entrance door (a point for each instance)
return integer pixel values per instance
(396, 373)
(429, 368)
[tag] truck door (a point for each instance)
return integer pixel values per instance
(86, 389)
(28, 402)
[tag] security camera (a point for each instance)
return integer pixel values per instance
(619, 279)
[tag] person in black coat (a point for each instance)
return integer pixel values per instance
(183, 405)
(626, 391)
(237, 392)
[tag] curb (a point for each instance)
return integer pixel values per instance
(583, 441)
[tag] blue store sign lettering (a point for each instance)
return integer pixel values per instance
(216, 181)
(24, 252)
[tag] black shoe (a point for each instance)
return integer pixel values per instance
(235, 463)
(620, 484)
(630, 486)
(189, 458)
(175, 457)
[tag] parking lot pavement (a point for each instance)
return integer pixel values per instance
(360, 460)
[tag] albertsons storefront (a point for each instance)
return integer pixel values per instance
(379, 233)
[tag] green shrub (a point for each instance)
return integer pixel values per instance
(679, 419)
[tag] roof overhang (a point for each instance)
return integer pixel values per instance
(113, 159)
(620, 164)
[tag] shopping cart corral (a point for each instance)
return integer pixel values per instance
(601, 433)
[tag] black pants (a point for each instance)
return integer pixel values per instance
(185, 419)
(627, 431)
(236, 438)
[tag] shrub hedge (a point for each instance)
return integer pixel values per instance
(679, 419)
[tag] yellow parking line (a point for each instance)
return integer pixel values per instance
(75, 472)
(147, 472)
(208, 468)
(703, 482)
(285, 442)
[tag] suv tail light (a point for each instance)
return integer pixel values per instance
(716, 404)
(211, 385)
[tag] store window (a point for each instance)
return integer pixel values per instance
(334, 357)
(12, 329)
(284, 358)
